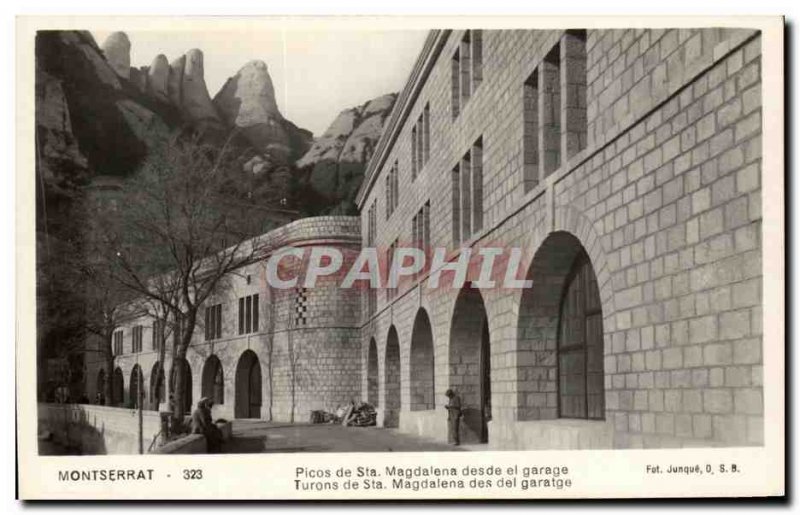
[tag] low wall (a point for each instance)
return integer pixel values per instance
(427, 424)
(551, 435)
(91, 429)
(191, 444)
(512, 435)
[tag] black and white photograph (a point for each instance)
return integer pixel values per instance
(313, 239)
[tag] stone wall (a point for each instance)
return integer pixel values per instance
(98, 429)
(664, 196)
(191, 444)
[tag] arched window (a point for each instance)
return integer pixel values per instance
(580, 345)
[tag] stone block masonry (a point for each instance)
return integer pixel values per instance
(654, 175)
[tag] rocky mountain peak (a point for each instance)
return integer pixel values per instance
(248, 97)
(247, 101)
(117, 49)
(337, 159)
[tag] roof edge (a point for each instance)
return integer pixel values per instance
(425, 61)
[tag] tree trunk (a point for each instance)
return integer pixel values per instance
(108, 387)
(180, 355)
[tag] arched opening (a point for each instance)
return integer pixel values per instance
(117, 388)
(100, 388)
(136, 392)
(187, 382)
(372, 373)
(248, 386)
(422, 368)
(158, 386)
(560, 335)
(470, 367)
(213, 385)
(391, 412)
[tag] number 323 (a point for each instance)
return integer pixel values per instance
(192, 473)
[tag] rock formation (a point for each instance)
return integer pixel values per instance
(247, 101)
(57, 145)
(117, 49)
(158, 77)
(175, 82)
(195, 100)
(337, 160)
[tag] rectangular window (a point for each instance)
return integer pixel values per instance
(550, 111)
(530, 131)
(390, 292)
(426, 134)
(158, 334)
(117, 343)
(455, 91)
(467, 193)
(421, 228)
(241, 315)
(392, 190)
(456, 195)
(466, 75)
(466, 69)
(477, 185)
(573, 62)
(466, 196)
(248, 314)
(414, 150)
(372, 221)
(137, 338)
(214, 322)
(477, 58)
(421, 142)
(255, 327)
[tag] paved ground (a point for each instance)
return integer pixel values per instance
(254, 436)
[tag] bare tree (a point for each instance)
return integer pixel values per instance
(272, 311)
(182, 231)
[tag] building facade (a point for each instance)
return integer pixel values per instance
(258, 352)
(626, 166)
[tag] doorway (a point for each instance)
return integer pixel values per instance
(248, 386)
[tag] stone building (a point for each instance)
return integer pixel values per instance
(259, 352)
(625, 164)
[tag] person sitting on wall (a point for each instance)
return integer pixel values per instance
(453, 408)
(203, 425)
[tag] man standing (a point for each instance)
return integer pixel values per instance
(453, 416)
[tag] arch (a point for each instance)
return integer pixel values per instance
(391, 380)
(213, 383)
(117, 388)
(551, 311)
(100, 387)
(187, 382)
(469, 364)
(247, 403)
(158, 385)
(422, 364)
(372, 373)
(136, 392)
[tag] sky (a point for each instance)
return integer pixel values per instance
(316, 74)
